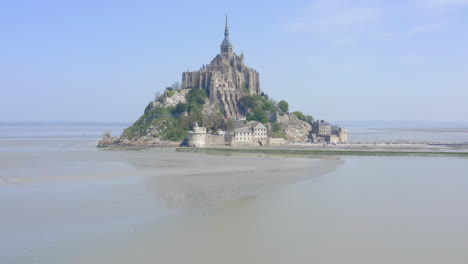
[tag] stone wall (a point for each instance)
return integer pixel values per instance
(196, 140)
(277, 141)
(343, 135)
(334, 138)
(215, 140)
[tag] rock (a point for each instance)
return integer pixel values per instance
(177, 97)
(107, 139)
(296, 130)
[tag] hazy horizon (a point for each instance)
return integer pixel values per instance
(83, 61)
(351, 123)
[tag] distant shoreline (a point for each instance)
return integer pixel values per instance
(327, 152)
(352, 149)
(63, 123)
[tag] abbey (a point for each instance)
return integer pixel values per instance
(225, 98)
(226, 79)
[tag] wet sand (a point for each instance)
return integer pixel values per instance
(370, 210)
(63, 196)
(63, 201)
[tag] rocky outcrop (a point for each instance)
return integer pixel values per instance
(107, 139)
(296, 130)
(179, 96)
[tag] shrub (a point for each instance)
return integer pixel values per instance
(268, 106)
(283, 106)
(248, 102)
(258, 115)
(299, 115)
(180, 108)
(170, 93)
(275, 127)
(279, 134)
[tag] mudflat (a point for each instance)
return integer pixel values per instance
(60, 193)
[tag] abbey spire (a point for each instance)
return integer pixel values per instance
(226, 46)
(226, 28)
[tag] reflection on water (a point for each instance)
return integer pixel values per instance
(371, 210)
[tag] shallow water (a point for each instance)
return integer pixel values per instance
(421, 132)
(371, 210)
(74, 204)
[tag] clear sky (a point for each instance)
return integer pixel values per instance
(91, 60)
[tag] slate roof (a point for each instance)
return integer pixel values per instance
(226, 42)
(260, 126)
(243, 130)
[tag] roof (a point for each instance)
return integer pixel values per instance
(260, 126)
(243, 130)
(323, 123)
(226, 42)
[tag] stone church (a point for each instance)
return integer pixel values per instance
(226, 79)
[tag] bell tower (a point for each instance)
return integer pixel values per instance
(226, 46)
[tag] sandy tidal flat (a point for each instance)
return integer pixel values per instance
(63, 195)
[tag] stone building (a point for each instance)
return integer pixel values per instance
(243, 135)
(342, 135)
(322, 128)
(197, 137)
(323, 131)
(226, 79)
(260, 133)
(254, 135)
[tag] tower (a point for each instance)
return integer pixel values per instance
(226, 46)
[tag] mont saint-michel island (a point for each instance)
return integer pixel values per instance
(223, 104)
(167, 132)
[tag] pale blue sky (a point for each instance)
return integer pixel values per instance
(336, 60)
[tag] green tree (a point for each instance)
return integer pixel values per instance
(275, 127)
(229, 124)
(195, 100)
(213, 122)
(258, 115)
(269, 106)
(283, 106)
(299, 115)
(180, 108)
(248, 102)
